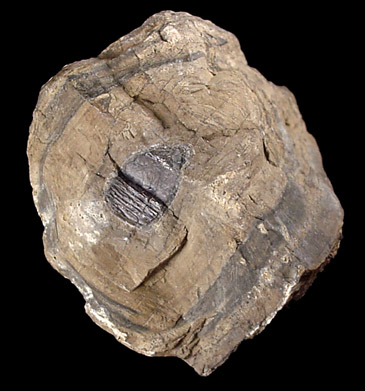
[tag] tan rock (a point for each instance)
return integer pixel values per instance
(179, 190)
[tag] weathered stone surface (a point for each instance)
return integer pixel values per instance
(179, 190)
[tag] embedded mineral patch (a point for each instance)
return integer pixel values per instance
(179, 190)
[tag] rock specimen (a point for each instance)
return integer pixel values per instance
(179, 190)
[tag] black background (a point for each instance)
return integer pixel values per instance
(313, 341)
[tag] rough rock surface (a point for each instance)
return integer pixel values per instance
(179, 190)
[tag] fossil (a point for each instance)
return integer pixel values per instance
(145, 186)
(179, 190)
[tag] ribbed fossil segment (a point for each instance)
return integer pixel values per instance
(131, 202)
(180, 190)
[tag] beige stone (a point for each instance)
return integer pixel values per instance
(179, 190)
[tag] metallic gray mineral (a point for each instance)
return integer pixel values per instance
(179, 190)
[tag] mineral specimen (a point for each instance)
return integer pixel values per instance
(179, 190)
